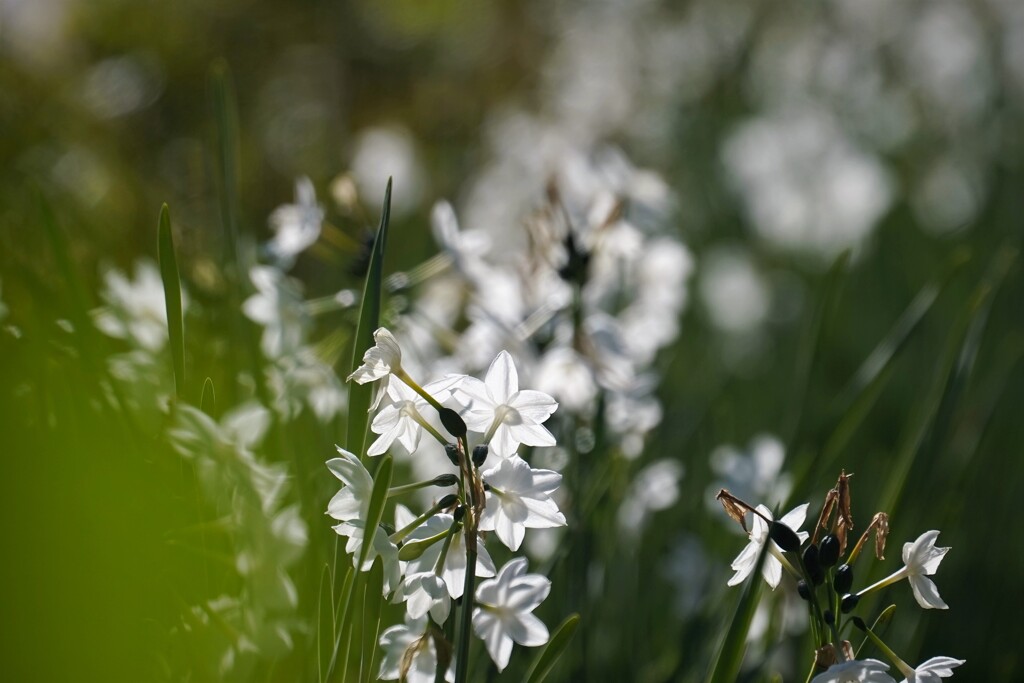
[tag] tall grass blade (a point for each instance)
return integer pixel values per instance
(208, 399)
(172, 298)
(225, 113)
(549, 656)
(372, 601)
(726, 665)
(369, 320)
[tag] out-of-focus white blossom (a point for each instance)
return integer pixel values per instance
(135, 310)
(296, 226)
(279, 307)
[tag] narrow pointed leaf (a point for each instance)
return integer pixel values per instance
(372, 601)
(378, 497)
(369, 320)
(726, 665)
(549, 656)
(172, 298)
(222, 91)
(208, 399)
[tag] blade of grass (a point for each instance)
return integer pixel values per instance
(208, 398)
(372, 591)
(549, 656)
(951, 374)
(172, 297)
(727, 662)
(369, 321)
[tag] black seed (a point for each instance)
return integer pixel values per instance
(859, 623)
(803, 589)
(479, 455)
(453, 423)
(844, 579)
(447, 501)
(828, 554)
(785, 537)
(849, 603)
(829, 617)
(452, 452)
(460, 512)
(445, 480)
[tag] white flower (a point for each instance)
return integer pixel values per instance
(465, 248)
(379, 362)
(857, 671)
(504, 612)
(279, 307)
(507, 415)
(655, 487)
(519, 499)
(422, 593)
(136, 309)
(353, 500)
(932, 670)
(772, 567)
(296, 226)
(454, 570)
(920, 560)
(355, 530)
(403, 419)
(409, 653)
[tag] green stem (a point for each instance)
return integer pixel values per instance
(411, 383)
(468, 591)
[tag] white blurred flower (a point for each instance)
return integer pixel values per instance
(465, 247)
(857, 671)
(504, 614)
(409, 653)
(655, 487)
(735, 295)
(296, 226)
(135, 309)
(519, 499)
(921, 559)
(932, 670)
(754, 473)
(279, 307)
(772, 568)
(506, 415)
(388, 152)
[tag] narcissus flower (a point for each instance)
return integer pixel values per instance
(504, 615)
(519, 499)
(920, 560)
(772, 567)
(353, 500)
(380, 361)
(410, 654)
(857, 671)
(932, 670)
(506, 415)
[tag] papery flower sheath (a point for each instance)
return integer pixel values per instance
(772, 567)
(507, 415)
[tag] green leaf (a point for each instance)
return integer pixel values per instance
(369, 320)
(726, 666)
(208, 399)
(222, 92)
(548, 657)
(373, 589)
(172, 297)
(375, 512)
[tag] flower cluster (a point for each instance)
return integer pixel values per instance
(822, 565)
(433, 559)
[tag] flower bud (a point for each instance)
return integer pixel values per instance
(445, 480)
(849, 603)
(785, 537)
(859, 623)
(828, 554)
(803, 589)
(830, 618)
(479, 455)
(813, 565)
(447, 501)
(453, 423)
(460, 512)
(452, 451)
(844, 579)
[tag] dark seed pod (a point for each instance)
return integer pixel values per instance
(804, 590)
(829, 617)
(859, 623)
(460, 512)
(445, 480)
(849, 603)
(813, 565)
(844, 579)
(447, 501)
(452, 452)
(785, 537)
(828, 554)
(479, 455)
(453, 423)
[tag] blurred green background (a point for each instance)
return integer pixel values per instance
(790, 133)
